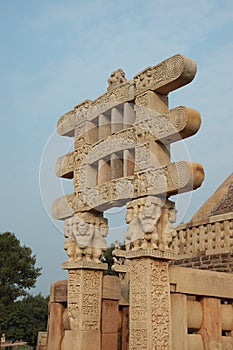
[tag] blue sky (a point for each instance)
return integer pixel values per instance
(54, 54)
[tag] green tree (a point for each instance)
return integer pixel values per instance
(108, 258)
(26, 318)
(17, 268)
(17, 275)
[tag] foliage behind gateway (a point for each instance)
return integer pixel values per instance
(22, 315)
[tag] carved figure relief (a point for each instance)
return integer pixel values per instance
(83, 233)
(166, 225)
(148, 219)
(85, 237)
(142, 216)
(150, 224)
(142, 157)
(123, 187)
(117, 77)
(124, 140)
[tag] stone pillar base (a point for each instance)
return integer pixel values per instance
(81, 340)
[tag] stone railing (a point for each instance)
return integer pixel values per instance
(201, 309)
(41, 341)
(212, 236)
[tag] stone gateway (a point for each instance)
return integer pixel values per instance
(122, 156)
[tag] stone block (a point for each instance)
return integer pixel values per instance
(205, 262)
(227, 343)
(194, 314)
(220, 266)
(195, 342)
(109, 341)
(211, 330)
(125, 328)
(41, 341)
(206, 267)
(55, 326)
(90, 341)
(111, 288)
(109, 316)
(205, 257)
(153, 101)
(124, 293)
(69, 341)
(58, 292)
(80, 341)
(179, 321)
(227, 317)
(198, 282)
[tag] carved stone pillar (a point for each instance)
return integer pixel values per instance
(148, 241)
(85, 244)
(150, 310)
(84, 306)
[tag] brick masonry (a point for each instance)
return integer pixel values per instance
(213, 262)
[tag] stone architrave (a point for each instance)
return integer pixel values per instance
(165, 181)
(174, 125)
(165, 77)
